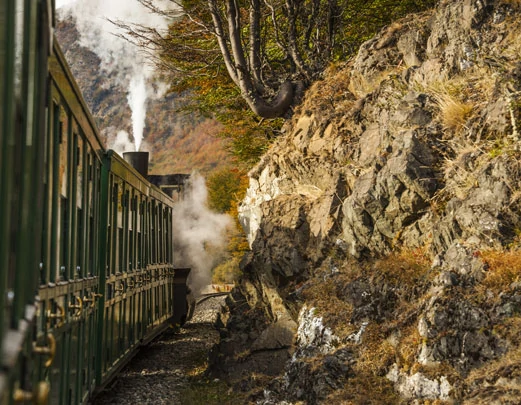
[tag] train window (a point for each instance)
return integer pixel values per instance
(162, 233)
(120, 207)
(80, 244)
(159, 233)
(90, 178)
(47, 180)
(90, 271)
(52, 197)
(79, 180)
(146, 233)
(79, 166)
(18, 46)
(132, 232)
(136, 241)
(63, 153)
(153, 232)
(140, 216)
(63, 237)
(165, 234)
(125, 242)
(113, 247)
(168, 235)
(120, 250)
(93, 198)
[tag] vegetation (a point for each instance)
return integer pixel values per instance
(397, 280)
(248, 62)
(185, 145)
(504, 268)
(226, 188)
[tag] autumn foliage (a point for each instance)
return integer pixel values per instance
(226, 188)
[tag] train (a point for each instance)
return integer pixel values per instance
(86, 250)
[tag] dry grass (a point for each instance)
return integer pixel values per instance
(504, 268)
(454, 111)
(465, 160)
(512, 2)
(210, 392)
(438, 370)
(405, 268)
(507, 366)
(510, 330)
(376, 353)
(510, 47)
(365, 390)
(331, 94)
(322, 294)
(459, 168)
(460, 98)
(408, 348)
(361, 85)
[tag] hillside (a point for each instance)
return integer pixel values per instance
(385, 226)
(177, 142)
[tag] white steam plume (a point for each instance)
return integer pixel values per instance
(121, 143)
(118, 56)
(199, 234)
(137, 100)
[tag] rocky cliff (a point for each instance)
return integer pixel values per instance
(385, 226)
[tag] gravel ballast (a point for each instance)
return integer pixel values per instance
(162, 370)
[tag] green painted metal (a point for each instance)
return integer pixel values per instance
(55, 197)
(8, 142)
(25, 159)
(103, 257)
(7, 49)
(74, 207)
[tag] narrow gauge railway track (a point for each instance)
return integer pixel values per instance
(204, 297)
(171, 364)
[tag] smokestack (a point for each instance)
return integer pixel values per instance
(138, 160)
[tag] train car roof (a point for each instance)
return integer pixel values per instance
(125, 171)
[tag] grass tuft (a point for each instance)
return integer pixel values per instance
(504, 268)
(365, 389)
(454, 111)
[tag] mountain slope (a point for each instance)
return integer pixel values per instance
(385, 226)
(178, 142)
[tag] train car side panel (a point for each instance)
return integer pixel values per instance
(24, 48)
(86, 254)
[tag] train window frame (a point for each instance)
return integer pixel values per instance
(114, 228)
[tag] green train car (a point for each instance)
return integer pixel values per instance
(86, 252)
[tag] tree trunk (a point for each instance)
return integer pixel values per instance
(235, 60)
(278, 107)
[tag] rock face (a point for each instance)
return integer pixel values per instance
(391, 205)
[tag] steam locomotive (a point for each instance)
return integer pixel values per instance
(86, 256)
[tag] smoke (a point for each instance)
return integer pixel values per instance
(121, 143)
(199, 234)
(137, 100)
(119, 57)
